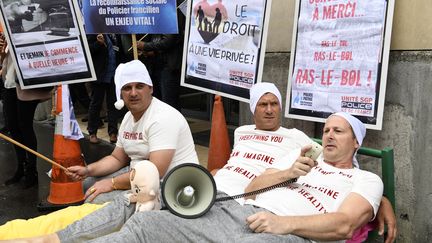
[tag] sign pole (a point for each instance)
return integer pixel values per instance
(134, 46)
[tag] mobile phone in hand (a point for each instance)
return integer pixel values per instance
(314, 152)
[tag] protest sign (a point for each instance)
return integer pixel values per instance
(225, 46)
(47, 42)
(130, 17)
(339, 59)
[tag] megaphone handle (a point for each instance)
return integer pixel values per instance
(256, 192)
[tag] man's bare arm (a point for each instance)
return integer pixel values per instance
(386, 216)
(162, 159)
(354, 212)
(109, 164)
(105, 166)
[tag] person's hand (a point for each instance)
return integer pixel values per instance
(101, 39)
(266, 222)
(77, 172)
(386, 216)
(302, 165)
(3, 45)
(140, 45)
(2, 41)
(99, 187)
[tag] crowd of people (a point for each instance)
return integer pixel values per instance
(160, 53)
(19, 111)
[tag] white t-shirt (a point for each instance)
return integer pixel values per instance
(322, 190)
(160, 127)
(253, 152)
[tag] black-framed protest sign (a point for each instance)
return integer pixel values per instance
(47, 42)
(224, 46)
(339, 59)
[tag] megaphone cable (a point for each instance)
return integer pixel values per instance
(256, 192)
(191, 205)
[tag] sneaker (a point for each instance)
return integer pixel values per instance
(113, 138)
(93, 139)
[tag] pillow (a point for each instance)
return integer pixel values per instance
(361, 234)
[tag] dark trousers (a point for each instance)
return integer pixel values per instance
(99, 90)
(19, 115)
(166, 86)
(78, 93)
(170, 87)
(165, 79)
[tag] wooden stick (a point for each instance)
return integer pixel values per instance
(32, 151)
(135, 48)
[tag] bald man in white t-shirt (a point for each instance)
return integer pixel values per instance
(151, 130)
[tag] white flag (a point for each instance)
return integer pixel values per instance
(183, 7)
(71, 129)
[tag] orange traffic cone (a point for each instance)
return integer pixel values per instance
(219, 147)
(66, 152)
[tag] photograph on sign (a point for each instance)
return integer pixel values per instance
(47, 42)
(339, 59)
(224, 46)
(130, 17)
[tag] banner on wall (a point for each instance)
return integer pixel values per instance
(339, 59)
(225, 45)
(47, 42)
(132, 16)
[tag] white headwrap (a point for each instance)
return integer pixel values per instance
(358, 129)
(258, 90)
(131, 72)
